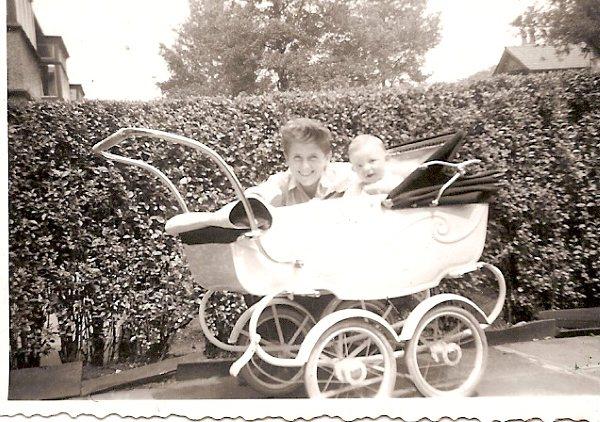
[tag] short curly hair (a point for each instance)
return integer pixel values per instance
(303, 130)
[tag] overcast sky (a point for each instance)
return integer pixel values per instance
(113, 44)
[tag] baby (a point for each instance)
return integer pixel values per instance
(368, 158)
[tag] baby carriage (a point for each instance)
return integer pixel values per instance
(363, 259)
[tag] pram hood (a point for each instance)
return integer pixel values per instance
(422, 186)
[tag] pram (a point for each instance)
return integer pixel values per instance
(357, 254)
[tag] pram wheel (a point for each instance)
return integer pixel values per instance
(282, 330)
(447, 353)
(351, 359)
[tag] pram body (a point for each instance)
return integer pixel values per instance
(343, 244)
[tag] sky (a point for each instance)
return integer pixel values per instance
(114, 44)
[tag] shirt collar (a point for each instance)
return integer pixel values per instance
(326, 182)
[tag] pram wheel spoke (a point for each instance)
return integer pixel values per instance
(351, 359)
(282, 330)
(447, 353)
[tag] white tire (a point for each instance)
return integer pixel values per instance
(447, 353)
(351, 359)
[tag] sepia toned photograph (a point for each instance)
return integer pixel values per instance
(302, 208)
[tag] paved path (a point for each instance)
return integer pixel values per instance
(567, 366)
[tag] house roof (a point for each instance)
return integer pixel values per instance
(542, 57)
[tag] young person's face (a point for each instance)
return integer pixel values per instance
(307, 163)
(369, 163)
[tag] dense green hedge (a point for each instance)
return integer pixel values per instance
(87, 239)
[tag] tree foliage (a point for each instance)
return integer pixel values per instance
(563, 23)
(229, 47)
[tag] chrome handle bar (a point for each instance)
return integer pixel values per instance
(122, 134)
(461, 170)
(125, 133)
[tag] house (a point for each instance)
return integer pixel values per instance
(530, 58)
(36, 63)
(77, 92)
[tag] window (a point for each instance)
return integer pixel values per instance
(51, 81)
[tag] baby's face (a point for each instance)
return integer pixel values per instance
(368, 162)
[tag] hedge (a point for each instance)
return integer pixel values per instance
(87, 237)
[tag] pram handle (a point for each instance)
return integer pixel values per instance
(114, 139)
(131, 132)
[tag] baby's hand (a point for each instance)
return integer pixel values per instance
(385, 185)
(374, 188)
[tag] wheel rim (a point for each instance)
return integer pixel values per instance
(351, 362)
(281, 331)
(447, 354)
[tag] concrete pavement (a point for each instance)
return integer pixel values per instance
(564, 366)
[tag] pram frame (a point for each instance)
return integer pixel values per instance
(252, 315)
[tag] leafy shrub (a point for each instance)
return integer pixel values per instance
(87, 238)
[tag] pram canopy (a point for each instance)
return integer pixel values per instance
(422, 186)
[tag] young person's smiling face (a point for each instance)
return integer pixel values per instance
(307, 163)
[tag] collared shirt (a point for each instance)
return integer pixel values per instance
(281, 189)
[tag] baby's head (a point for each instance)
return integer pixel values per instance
(367, 155)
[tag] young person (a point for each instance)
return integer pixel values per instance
(307, 149)
(368, 158)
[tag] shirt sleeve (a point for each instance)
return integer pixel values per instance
(343, 176)
(271, 190)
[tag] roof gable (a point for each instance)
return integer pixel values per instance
(541, 57)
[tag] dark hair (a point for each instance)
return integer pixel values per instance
(303, 130)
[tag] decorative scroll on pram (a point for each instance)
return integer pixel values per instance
(432, 184)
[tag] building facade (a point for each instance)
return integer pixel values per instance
(36, 63)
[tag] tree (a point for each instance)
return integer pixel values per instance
(232, 46)
(209, 56)
(479, 76)
(564, 22)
